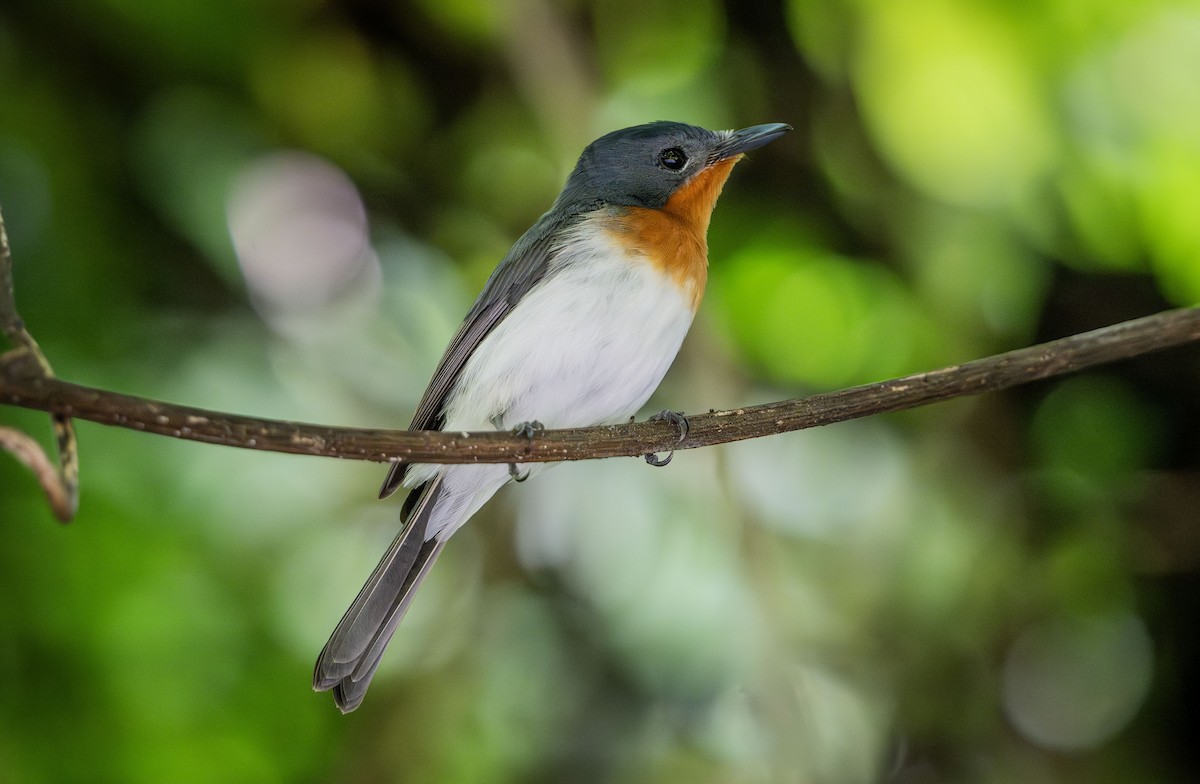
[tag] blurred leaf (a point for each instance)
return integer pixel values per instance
(656, 45)
(816, 319)
(952, 102)
(1093, 430)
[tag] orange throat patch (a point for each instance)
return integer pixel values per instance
(675, 238)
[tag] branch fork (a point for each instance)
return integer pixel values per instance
(25, 360)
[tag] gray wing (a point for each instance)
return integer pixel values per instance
(527, 263)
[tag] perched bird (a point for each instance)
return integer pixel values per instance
(575, 327)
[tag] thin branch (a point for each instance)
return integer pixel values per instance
(1066, 355)
(29, 453)
(62, 483)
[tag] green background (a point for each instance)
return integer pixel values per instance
(284, 208)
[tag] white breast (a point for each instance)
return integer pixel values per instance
(586, 346)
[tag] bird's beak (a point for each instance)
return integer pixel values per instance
(748, 139)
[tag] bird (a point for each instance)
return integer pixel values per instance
(575, 327)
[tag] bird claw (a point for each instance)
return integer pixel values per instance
(659, 462)
(680, 421)
(675, 418)
(528, 430)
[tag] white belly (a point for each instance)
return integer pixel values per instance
(586, 346)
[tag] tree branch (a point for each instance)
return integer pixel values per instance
(60, 484)
(20, 386)
(1120, 341)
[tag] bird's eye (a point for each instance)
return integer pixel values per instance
(672, 158)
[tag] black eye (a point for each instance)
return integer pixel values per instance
(672, 158)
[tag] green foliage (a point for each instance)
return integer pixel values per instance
(284, 209)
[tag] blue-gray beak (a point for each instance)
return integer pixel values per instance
(748, 139)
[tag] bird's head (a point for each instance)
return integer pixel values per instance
(646, 165)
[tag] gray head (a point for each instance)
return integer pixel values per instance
(643, 165)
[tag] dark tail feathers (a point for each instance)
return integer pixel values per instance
(353, 652)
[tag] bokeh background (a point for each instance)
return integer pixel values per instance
(284, 207)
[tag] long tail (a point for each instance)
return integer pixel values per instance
(353, 652)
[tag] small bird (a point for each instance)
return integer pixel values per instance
(576, 327)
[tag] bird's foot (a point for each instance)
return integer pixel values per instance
(680, 421)
(675, 418)
(528, 430)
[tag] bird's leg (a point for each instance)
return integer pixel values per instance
(680, 421)
(526, 429)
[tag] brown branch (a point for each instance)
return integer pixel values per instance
(61, 484)
(1108, 344)
(30, 384)
(29, 453)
